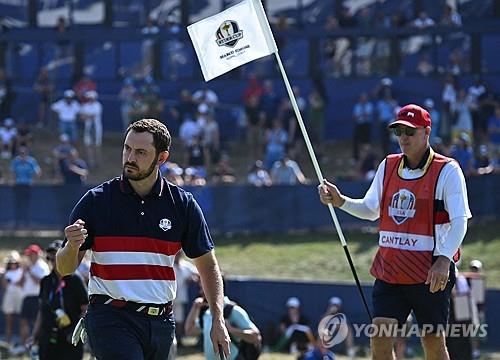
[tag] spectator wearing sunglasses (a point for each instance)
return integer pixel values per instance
(420, 197)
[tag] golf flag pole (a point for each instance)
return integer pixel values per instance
(317, 169)
(236, 36)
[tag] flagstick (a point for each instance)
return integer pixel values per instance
(320, 177)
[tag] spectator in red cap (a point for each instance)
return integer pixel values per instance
(35, 270)
(420, 197)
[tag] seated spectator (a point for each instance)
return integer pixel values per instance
(287, 172)
(319, 352)
(484, 164)
(451, 17)
(347, 346)
(73, 169)
(223, 172)
(8, 137)
(61, 152)
(172, 172)
(367, 163)
(258, 176)
(296, 335)
(244, 333)
(462, 152)
(195, 176)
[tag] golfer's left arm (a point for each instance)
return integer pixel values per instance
(211, 281)
(457, 205)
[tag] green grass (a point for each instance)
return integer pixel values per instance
(310, 256)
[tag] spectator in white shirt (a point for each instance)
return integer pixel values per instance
(35, 270)
(13, 292)
(67, 110)
(185, 273)
(188, 131)
(91, 115)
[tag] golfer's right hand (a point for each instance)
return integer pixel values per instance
(330, 194)
(76, 234)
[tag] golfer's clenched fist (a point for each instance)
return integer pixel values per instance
(330, 194)
(76, 233)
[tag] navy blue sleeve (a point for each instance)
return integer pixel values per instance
(83, 210)
(196, 240)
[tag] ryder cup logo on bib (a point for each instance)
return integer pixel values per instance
(165, 224)
(402, 206)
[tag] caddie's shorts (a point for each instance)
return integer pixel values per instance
(397, 301)
(119, 333)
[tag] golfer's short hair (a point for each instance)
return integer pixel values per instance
(161, 136)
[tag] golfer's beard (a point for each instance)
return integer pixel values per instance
(141, 175)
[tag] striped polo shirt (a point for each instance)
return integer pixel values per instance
(133, 240)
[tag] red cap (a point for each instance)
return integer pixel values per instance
(412, 116)
(32, 249)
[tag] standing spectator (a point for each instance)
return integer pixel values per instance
(258, 176)
(287, 172)
(184, 108)
(35, 270)
(24, 135)
(67, 110)
(63, 300)
(473, 93)
(463, 153)
(83, 86)
(487, 101)
(449, 98)
(385, 113)
(44, 87)
(185, 274)
(288, 114)
(462, 117)
(211, 140)
(188, 131)
(63, 47)
(362, 115)
(127, 94)
(316, 120)
(206, 96)
(24, 168)
(12, 292)
(148, 44)
(8, 137)
(494, 129)
(73, 169)
(91, 115)
(276, 139)
(255, 120)
(451, 17)
(150, 93)
(253, 90)
(269, 103)
(7, 95)
(436, 118)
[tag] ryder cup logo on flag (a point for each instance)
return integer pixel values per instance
(232, 38)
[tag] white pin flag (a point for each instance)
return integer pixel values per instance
(232, 38)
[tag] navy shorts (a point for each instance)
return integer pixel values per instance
(397, 301)
(119, 333)
(29, 309)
